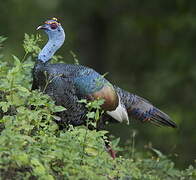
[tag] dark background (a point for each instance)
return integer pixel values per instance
(148, 48)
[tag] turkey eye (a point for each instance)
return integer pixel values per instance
(53, 26)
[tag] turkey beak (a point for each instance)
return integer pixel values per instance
(41, 27)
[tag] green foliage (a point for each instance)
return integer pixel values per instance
(2, 39)
(30, 43)
(94, 111)
(148, 48)
(32, 146)
(76, 61)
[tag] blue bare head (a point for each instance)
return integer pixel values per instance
(56, 38)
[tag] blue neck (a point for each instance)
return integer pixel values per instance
(55, 41)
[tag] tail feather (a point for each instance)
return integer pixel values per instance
(141, 109)
(163, 119)
(145, 111)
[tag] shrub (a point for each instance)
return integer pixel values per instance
(32, 146)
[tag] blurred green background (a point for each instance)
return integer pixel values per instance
(148, 48)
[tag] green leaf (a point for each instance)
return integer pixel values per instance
(76, 61)
(24, 90)
(59, 108)
(4, 106)
(56, 118)
(21, 158)
(83, 101)
(31, 43)
(115, 142)
(157, 152)
(91, 151)
(14, 99)
(2, 39)
(97, 114)
(91, 115)
(16, 60)
(38, 168)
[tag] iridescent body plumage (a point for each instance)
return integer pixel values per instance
(67, 84)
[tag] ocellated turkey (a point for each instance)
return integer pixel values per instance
(69, 83)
